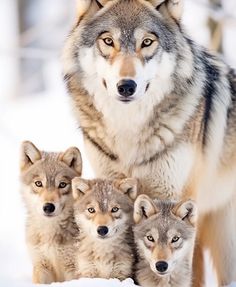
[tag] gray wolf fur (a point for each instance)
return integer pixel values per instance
(164, 234)
(154, 105)
(103, 211)
(50, 228)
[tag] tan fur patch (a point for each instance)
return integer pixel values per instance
(127, 67)
(161, 253)
(102, 219)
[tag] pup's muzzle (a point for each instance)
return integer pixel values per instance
(161, 266)
(49, 208)
(102, 230)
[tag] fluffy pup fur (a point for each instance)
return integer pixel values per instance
(50, 227)
(103, 211)
(164, 235)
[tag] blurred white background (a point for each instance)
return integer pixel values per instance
(33, 100)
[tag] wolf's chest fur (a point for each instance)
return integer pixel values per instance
(104, 259)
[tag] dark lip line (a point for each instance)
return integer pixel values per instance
(125, 100)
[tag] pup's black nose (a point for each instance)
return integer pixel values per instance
(102, 230)
(48, 208)
(161, 266)
(126, 88)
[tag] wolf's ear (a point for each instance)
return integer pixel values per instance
(72, 157)
(172, 8)
(186, 210)
(128, 186)
(89, 7)
(144, 207)
(29, 155)
(79, 187)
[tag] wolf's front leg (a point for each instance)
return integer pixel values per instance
(43, 274)
(220, 237)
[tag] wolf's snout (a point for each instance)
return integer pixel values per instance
(126, 88)
(102, 230)
(49, 208)
(161, 266)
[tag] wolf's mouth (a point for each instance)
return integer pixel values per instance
(125, 100)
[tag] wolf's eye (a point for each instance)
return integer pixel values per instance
(175, 239)
(62, 184)
(115, 209)
(91, 210)
(108, 41)
(38, 183)
(146, 43)
(150, 238)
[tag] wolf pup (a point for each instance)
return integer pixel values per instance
(103, 211)
(164, 235)
(50, 229)
(154, 105)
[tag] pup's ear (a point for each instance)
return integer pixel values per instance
(79, 187)
(89, 7)
(144, 207)
(128, 186)
(72, 157)
(172, 8)
(29, 155)
(186, 210)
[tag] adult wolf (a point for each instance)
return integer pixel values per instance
(154, 105)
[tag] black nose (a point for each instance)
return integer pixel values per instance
(126, 88)
(102, 230)
(48, 208)
(161, 266)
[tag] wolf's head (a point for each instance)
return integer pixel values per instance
(125, 49)
(103, 209)
(164, 233)
(46, 178)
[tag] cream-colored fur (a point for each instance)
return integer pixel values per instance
(51, 236)
(111, 255)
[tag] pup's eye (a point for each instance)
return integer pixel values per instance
(62, 184)
(175, 239)
(115, 209)
(146, 43)
(150, 238)
(91, 210)
(108, 41)
(38, 183)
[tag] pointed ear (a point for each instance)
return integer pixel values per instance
(89, 7)
(72, 157)
(144, 207)
(187, 211)
(79, 187)
(172, 8)
(29, 155)
(128, 186)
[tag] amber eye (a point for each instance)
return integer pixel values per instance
(91, 210)
(62, 184)
(38, 183)
(108, 41)
(175, 239)
(115, 209)
(146, 43)
(150, 238)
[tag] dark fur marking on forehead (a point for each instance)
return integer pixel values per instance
(140, 16)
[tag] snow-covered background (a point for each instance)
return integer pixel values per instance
(34, 105)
